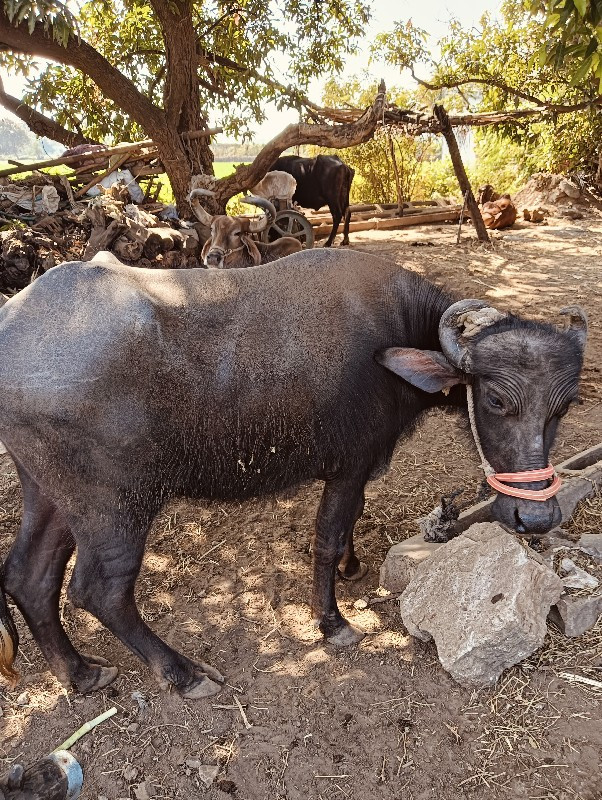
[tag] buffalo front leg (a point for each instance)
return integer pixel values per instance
(103, 583)
(350, 568)
(337, 514)
(33, 577)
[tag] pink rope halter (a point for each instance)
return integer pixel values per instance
(498, 480)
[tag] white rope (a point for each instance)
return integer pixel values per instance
(487, 468)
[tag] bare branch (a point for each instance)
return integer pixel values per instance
(489, 81)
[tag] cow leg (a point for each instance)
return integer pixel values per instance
(103, 583)
(337, 514)
(346, 227)
(350, 568)
(33, 577)
(337, 215)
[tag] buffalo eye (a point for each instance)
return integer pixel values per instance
(495, 402)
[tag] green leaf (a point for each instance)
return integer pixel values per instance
(581, 6)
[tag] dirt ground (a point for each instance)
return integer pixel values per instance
(230, 585)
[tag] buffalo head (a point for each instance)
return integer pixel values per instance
(522, 378)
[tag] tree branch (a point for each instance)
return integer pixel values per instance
(346, 135)
(40, 124)
(83, 57)
(435, 87)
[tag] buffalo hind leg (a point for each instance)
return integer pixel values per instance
(33, 577)
(337, 215)
(350, 568)
(337, 514)
(346, 227)
(103, 583)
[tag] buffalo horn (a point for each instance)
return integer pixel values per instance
(261, 223)
(575, 322)
(201, 213)
(452, 333)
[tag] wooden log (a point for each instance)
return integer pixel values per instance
(441, 215)
(103, 238)
(454, 152)
(127, 249)
(56, 777)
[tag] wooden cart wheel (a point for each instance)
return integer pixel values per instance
(290, 223)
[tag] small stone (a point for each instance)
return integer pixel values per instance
(208, 773)
(361, 604)
(569, 188)
(102, 797)
(484, 599)
(130, 772)
(144, 791)
(591, 543)
(575, 577)
(192, 763)
(23, 699)
(571, 213)
(133, 727)
(575, 615)
(402, 561)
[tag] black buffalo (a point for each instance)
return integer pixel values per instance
(121, 389)
(321, 181)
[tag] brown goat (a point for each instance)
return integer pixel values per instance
(231, 244)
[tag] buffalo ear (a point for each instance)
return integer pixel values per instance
(428, 370)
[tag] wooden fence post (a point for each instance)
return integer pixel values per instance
(454, 151)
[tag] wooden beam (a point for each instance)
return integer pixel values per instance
(465, 187)
(101, 154)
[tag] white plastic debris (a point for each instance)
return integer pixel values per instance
(126, 177)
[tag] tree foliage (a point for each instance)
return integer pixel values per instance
(237, 45)
(500, 65)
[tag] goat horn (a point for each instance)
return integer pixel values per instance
(201, 213)
(455, 325)
(257, 225)
(575, 322)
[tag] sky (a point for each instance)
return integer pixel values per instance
(431, 15)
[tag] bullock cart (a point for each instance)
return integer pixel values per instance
(289, 221)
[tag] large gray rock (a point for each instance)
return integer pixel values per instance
(484, 598)
(402, 561)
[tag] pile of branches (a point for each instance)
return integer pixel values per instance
(42, 225)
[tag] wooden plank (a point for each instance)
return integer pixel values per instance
(432, 217)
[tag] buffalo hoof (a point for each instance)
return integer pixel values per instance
(101, 673)
(346, 636)
(208, 682)
(360, 573)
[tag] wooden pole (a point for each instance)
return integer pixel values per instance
(454, 151)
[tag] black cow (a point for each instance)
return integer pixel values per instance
(321, 181)
(122, 388)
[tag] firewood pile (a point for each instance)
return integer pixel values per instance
(43, 224)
